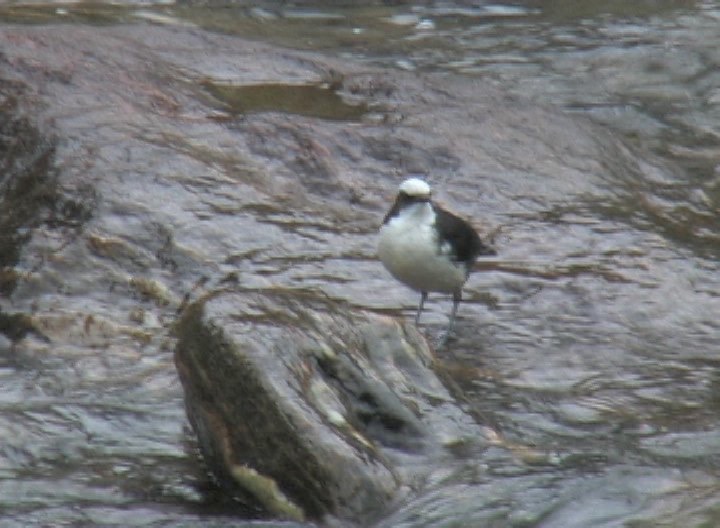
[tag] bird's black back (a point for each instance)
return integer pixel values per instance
(465, 242)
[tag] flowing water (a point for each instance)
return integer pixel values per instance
(600, 350)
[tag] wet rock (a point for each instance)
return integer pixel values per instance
(27, 187)
(259, 229)
(315, 410)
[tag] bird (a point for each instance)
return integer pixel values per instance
(428, 248)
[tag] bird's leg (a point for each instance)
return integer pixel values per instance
(423, 298)
(457, 297)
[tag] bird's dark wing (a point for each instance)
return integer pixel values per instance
(464, 240)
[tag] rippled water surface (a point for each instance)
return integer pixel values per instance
(599, 360)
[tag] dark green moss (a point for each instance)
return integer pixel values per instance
(29, 190)
(15, 326)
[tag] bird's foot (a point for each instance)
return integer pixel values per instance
(443, 340)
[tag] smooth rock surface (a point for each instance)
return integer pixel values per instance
(157, 214)
(342, 411)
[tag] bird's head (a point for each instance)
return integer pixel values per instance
(414, 189)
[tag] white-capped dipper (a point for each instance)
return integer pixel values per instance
(427, 248)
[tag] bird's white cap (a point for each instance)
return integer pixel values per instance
(415, 187)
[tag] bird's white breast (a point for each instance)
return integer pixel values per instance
(409, 249)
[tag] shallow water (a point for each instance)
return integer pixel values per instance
(309, 100)
(598, 357)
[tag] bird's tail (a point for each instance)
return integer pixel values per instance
(486, 250)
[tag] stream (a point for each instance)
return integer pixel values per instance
(597, 355)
